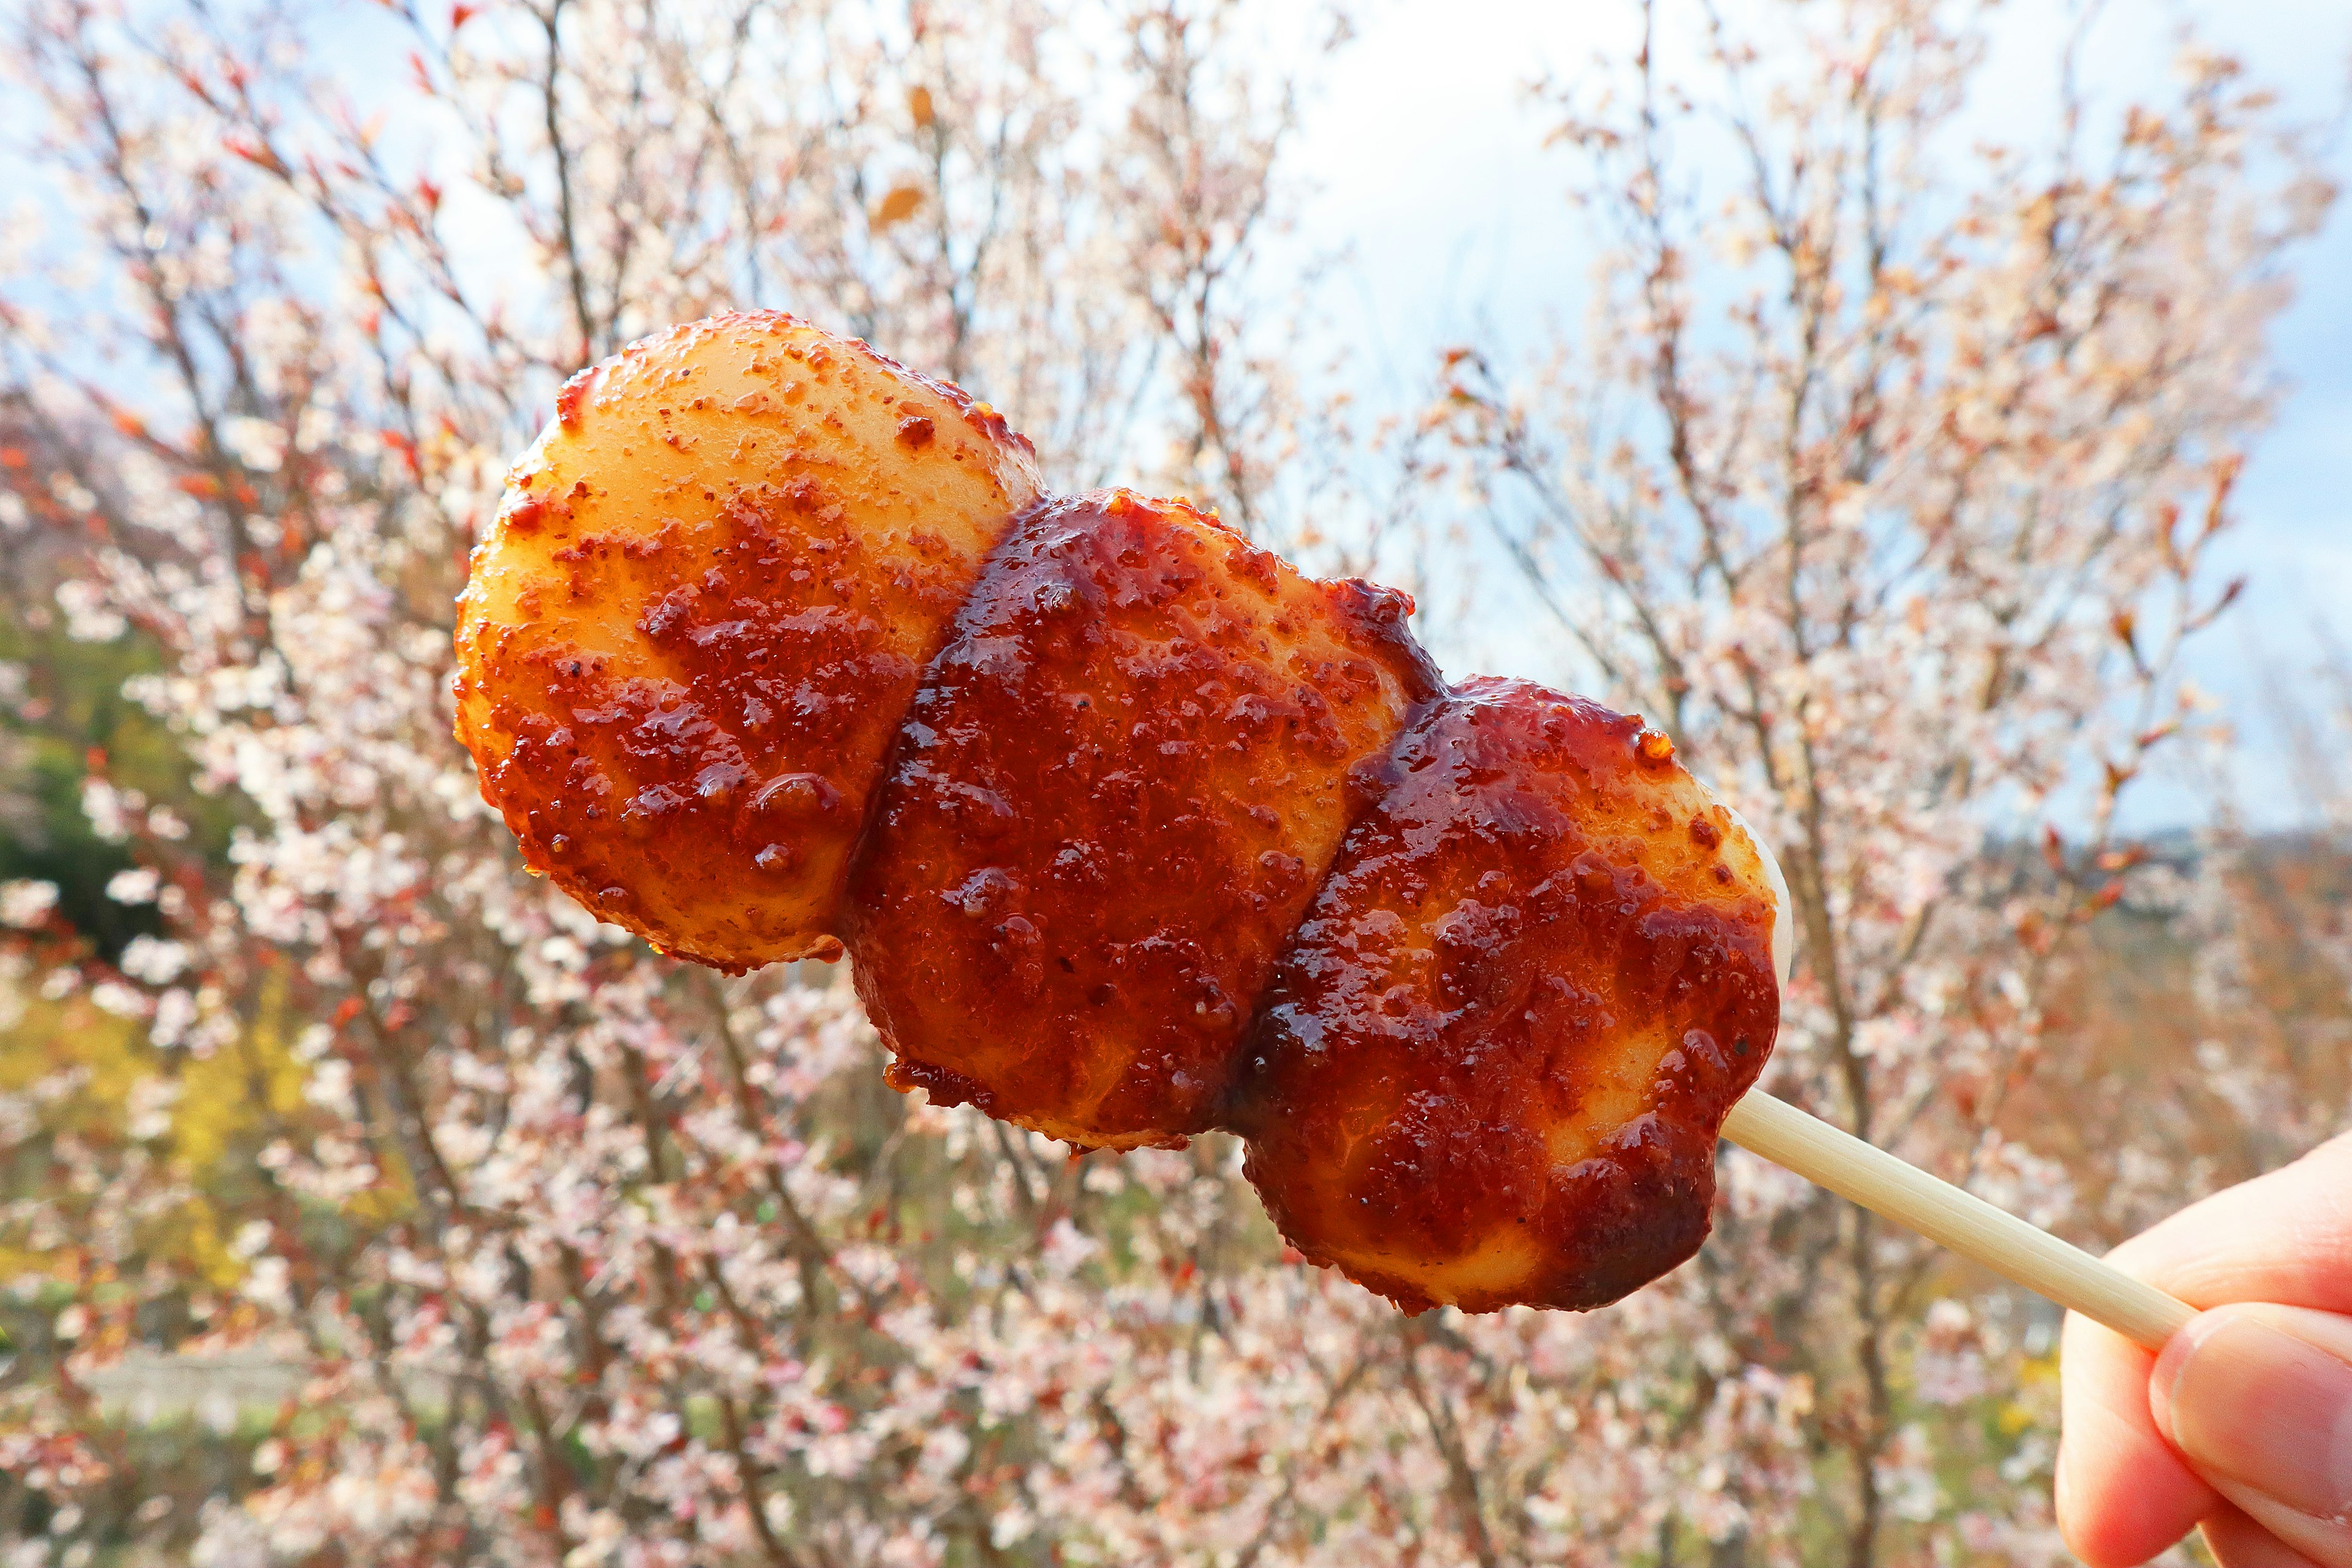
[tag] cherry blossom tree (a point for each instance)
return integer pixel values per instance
(1884, 488)
(1882, 479)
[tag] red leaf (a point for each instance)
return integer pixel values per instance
(255, 154)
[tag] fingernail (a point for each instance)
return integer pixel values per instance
(2251, 1401)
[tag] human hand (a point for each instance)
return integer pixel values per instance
(2243, 1424)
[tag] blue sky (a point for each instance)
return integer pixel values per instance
(1431, 177)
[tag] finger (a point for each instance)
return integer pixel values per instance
(2284, 1237)
(2259, 1399)
(2237, 1541)
(2123, 1495)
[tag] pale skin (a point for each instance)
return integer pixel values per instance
(2242, 1427)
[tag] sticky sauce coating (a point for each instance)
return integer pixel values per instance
(1113, 799)
(713, 583)
(1494, 1061)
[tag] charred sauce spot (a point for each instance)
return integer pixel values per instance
(573, 397)
(1486, 1070)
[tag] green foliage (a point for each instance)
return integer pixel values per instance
(70, 720)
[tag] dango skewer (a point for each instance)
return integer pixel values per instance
(1131, 831)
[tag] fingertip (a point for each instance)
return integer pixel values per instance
(2123, 1495)
(2116, 1507)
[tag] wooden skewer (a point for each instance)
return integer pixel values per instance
(2018, 1252)
(1942, 1213)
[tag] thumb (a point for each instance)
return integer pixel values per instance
(2259, 1400)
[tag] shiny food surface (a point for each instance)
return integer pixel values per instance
(689, 641)
(1493, 1062)
(774, 642)
(1113, 798)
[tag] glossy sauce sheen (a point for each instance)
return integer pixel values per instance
(1493, 1064)
(1114, 797)
(687, 644)
(1133, 831)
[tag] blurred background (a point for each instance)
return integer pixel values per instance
(1936, 417)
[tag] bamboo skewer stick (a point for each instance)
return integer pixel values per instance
(2020, 1253)
(1961, 1221)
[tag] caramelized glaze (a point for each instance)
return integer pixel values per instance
(1113, 798)
(1495, 1058)
(687, 643)
(1132, 829)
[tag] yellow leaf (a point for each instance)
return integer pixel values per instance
(919, 104)
(898, 205)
